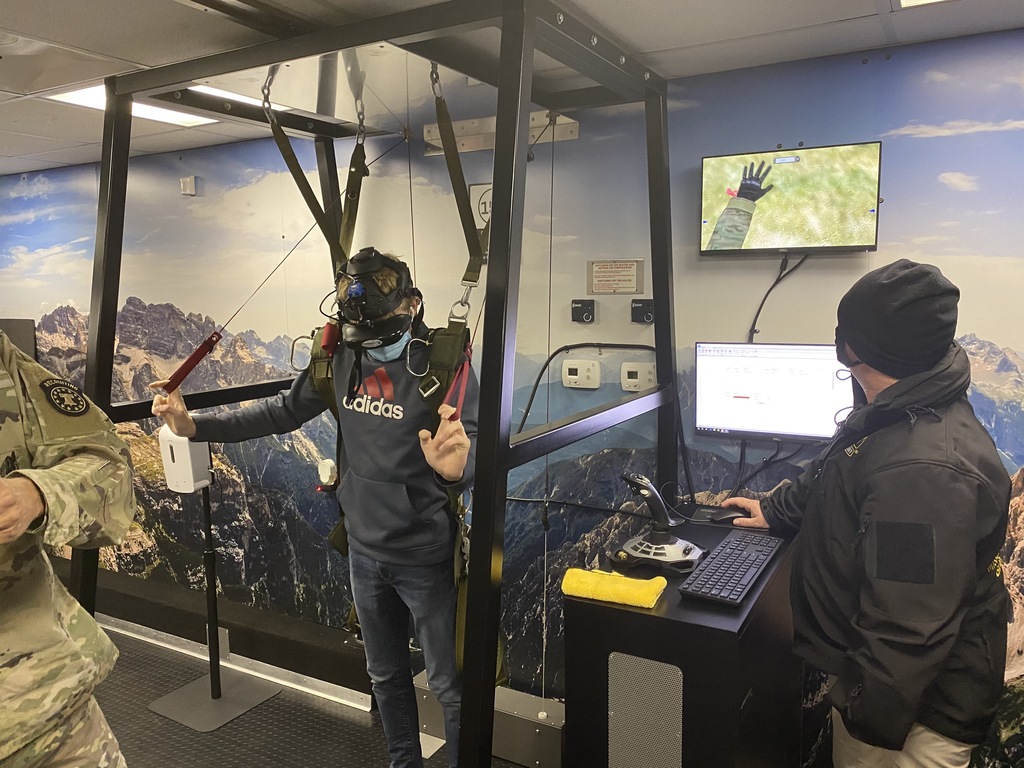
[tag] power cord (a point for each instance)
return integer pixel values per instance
(783, 274)
(566, 348)
(767, 462)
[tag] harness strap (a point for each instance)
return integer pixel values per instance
(338, 256)
(447, 347)
(474, 241)
(340, 245)
(357, 171)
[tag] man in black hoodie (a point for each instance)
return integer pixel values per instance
(395, 477)
(897, 586)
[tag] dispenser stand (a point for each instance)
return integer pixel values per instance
(211, 701)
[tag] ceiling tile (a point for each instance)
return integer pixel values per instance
(792, 45)
(149, 32)
(43, 117)
(12, 165)
(944, 20)
(17, 144)
(31, 66)
(661, 25)
(86, 153)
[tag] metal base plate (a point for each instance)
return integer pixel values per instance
(192, 705)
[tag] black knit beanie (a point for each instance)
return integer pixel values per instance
(900, 319)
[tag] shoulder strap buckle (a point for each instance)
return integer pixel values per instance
(428, 386)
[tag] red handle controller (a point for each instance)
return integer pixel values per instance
(193, 360)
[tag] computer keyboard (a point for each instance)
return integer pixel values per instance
(726, 574)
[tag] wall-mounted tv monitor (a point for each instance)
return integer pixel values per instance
(770, 391)
(810, 199)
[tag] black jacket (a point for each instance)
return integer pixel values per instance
(897, 590)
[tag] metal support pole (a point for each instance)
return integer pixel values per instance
(210, 569)
(106, 275)
(659, 193)
(493, 454)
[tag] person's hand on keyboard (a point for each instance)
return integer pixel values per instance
(752, 507)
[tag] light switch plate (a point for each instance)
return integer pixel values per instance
(581, 374)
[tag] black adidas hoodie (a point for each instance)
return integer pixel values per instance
(396, 506)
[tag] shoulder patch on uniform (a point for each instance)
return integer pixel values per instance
(65, 397)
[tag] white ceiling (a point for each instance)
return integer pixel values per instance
(48, 47)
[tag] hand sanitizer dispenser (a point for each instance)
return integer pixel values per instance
(187, 465)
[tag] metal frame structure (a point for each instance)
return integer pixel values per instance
(526, 27)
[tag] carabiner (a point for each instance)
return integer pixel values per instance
(291, 356)
(435, 81)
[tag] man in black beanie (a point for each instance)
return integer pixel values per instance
(897, 585)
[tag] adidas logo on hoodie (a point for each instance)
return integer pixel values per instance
(374, 396)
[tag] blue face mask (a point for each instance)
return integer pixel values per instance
(391, 351)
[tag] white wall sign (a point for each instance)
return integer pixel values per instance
(480, 200)
(618, 276)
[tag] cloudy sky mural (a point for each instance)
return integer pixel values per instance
(950, 116)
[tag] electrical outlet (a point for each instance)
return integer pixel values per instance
(581, 374)
(636, 376)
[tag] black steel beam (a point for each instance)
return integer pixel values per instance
(570, 41)
(585, 98)
(85, 568)
(540, 441)
(106, 277)
(106, 266)
(453, 56)
(294, 122)
(659, 197)
(496, 384)
(398, 28)
(122, 412)
(254, 15)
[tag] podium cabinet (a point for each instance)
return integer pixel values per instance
(687, 684)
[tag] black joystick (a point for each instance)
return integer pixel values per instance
(641, 486)
(662, 514)
(657, 545)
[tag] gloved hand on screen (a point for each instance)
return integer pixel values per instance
(751, 185)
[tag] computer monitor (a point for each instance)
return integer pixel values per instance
(810, 199)
(770, 391)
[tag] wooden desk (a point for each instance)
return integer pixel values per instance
(694, 684)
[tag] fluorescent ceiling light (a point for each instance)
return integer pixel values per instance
(911, 3)
(211, 91)
(96, 98)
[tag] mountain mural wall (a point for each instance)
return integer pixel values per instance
(270, 522)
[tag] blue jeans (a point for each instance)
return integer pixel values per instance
(385, 595)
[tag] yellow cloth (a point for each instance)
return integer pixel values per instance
(613, 587)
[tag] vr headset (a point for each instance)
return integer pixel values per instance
(365, 308)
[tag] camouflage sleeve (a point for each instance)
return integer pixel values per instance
(731, 227)
(80, 465)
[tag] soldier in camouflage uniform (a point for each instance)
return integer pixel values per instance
(65, 478)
